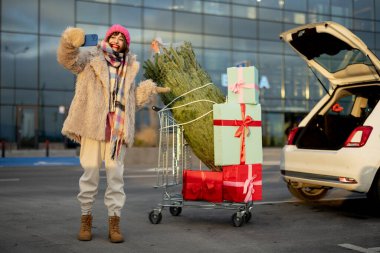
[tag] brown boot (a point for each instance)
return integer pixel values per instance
(114, 233)
(85, 228)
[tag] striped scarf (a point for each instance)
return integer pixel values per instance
(118, 71)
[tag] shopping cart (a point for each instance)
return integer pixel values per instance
(174, 155)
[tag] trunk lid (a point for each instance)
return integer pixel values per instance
(335, 52)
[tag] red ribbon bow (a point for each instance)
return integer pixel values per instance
(245, 123)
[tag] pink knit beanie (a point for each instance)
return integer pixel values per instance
(120, 29)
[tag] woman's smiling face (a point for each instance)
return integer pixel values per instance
(117, 42)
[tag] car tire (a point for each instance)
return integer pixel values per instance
(307, 194)
(374, 192)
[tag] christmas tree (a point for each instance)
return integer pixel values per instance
(178, 69)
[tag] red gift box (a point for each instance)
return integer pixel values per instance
(202, 185)
(242, 183)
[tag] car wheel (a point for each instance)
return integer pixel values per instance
(374, 193)
(307, 193)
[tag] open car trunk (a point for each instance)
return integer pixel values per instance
(347, 109)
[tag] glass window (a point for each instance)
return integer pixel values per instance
(296, 75)
(187, 22)
(186, 5)
(217, 59)
(217, 42)
(126, 16)
(270, 46)
(377, 52)
(19, 15)
(269, 30)
(26, 97)
(368, 38)
(136, 35)
(53, 19)
(316, 89)
(217, 25)
(341, 8)
(98, 29)
(244, 44)
(216, 8)
(247, 2)
(7, 123)
(377, 41)
(52, 74)
(56, 98)
(364, 25)
(296, 5)
(129, 2)
(364, 9)
(158, 19)
(244, 28)
(377, 27)
(200, 58)
(100, 1)
(92, 12)
(149, 35)
(18, 60)
(295, 17)
(346, 22)
(249, 57)
(137, 49)
(52, 123)
(270, 67)
(273, 132)
(377, 10)
(195, 39)
(271, 3)
(314, 18)
(7, 96)
(244, 11)
(270, 14)
(216, 78)
(319, 6)
(162, 4)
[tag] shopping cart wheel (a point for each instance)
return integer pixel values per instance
(155, 217)
(175, 210)
(247, 216)
(237, 219)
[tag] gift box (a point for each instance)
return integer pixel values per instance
(242, 183)
(237, 134)
(243, 85)
(202, 185)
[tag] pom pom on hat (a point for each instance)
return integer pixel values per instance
(120, 29)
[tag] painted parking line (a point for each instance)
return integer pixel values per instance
(9, 179)
(359, 249)
(271, 163)
(134, 176)
(38, 161)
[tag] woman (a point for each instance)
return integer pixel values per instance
(102, 116)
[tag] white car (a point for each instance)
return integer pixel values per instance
(337, 145)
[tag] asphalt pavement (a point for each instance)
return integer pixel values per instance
(39, 213)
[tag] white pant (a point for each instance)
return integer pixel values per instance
(92, 154)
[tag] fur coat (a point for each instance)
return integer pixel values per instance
(89, 108)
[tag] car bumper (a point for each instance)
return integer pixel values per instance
(352, 169)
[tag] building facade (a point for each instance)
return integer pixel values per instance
(36, 92)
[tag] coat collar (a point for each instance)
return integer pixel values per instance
(99, 64)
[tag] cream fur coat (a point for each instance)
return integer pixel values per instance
(89, 108)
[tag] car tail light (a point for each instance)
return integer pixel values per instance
(292, 134)
(358, 137)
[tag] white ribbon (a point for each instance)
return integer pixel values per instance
(248, 184)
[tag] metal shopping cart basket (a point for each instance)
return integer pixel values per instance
(174, 156)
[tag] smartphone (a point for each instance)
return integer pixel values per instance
(90, 40)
